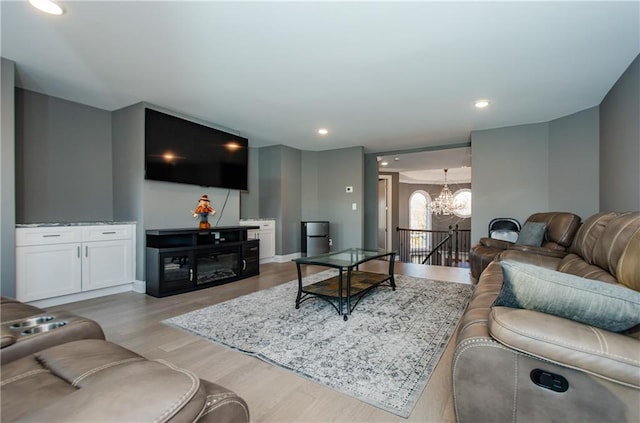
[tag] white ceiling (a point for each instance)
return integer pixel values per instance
(427, 167)
(384, 75)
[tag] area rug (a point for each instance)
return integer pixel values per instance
(383, 355)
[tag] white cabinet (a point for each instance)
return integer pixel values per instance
(56, 261)
(266, 234)
(44, 271)
(107, 256)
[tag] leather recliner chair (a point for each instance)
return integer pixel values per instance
(26, 329)
(56, 366)
(500, 351)
(561, 228)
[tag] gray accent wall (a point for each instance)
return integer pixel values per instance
(280, 194)
(128, 171)
(309, 197)
(63, 162)
(250, 199)
(620, 143)
(370, 202)
(291, 213)
(573, 163)
(510, 174)
(7, 179)
(521, 170)
(338, 169)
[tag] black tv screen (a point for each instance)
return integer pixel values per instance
(177, 150)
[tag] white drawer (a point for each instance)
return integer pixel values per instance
(47, 235)
(106, 232)
(264, 224)
(268, 225)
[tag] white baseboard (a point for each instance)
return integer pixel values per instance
(80, 296)
(139, 286)
(287, 258)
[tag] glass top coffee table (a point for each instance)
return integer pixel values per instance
(350, 283)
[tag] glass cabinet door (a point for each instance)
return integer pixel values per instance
(176, 268)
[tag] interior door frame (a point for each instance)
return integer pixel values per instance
(388, 218)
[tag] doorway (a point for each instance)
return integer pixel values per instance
(385, 229)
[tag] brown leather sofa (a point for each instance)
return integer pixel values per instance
(26, 329)
(561, 227)
(57, 376)
(500, 351)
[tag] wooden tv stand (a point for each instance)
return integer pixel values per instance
(183, 260)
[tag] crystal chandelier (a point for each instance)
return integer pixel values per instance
(445, 203)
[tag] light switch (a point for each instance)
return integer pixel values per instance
(354, 206)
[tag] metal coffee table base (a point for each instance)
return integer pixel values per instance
(349, 284)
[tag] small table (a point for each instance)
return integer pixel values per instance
(356, 283)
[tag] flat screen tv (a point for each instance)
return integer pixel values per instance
(177, 150)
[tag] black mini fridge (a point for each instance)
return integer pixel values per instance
(315, 238)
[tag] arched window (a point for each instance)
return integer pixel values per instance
(419, 216)
(463, 197)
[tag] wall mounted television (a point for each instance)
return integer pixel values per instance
(178, 150)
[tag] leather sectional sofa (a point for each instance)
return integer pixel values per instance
(57, 367)
(520, 364)
(561, 227)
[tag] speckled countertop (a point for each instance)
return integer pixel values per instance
(56, 224)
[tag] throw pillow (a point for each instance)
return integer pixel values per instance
(532, 233)
(612, 307)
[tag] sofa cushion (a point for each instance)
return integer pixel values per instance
(96, 380)
(532, 233)
(607, 306)
(561, 228)
(567, 343)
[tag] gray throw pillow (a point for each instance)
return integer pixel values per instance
(600, 304)
(532, 233)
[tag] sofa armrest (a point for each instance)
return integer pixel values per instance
(495, 243)
(539, 250)
(605, 354)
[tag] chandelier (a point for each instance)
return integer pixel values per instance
(445, 203)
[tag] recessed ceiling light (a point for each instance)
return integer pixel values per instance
(323, 131)
(481, 104)
(47, 6)
(384, 163)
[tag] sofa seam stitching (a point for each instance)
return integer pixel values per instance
(23, 376)
(103, 367)
(195, 383)
(559, 343)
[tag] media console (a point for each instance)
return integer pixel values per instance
(183, 260)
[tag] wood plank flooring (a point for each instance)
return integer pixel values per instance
(273, 394)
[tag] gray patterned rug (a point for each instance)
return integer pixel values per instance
(383, 355)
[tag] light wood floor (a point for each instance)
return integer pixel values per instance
(273, 394)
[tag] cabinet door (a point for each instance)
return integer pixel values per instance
(250, 258)
(267, 243)
(171, 272)
(45, 271)
(106, 263)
